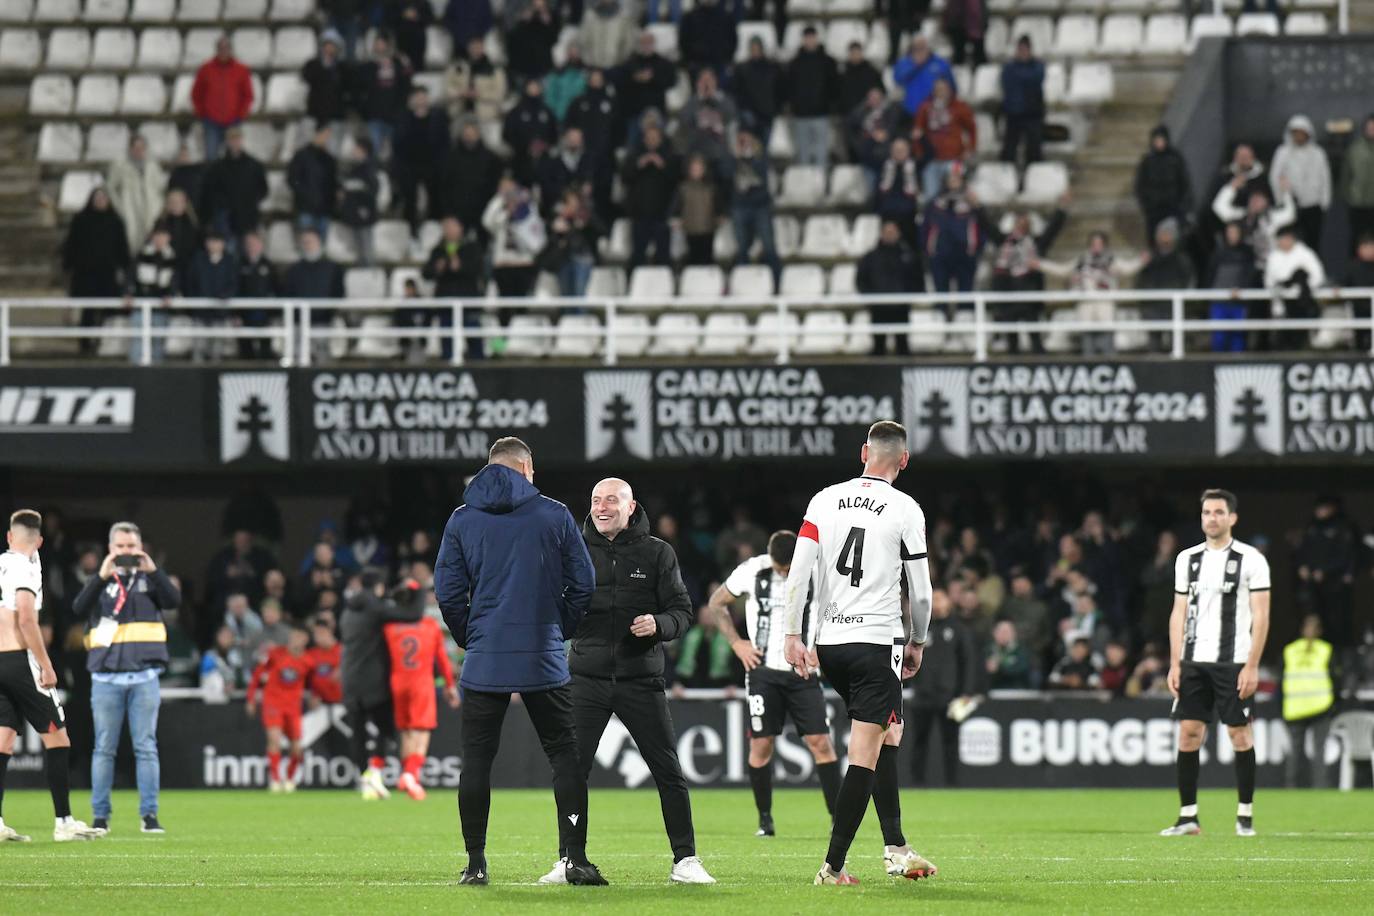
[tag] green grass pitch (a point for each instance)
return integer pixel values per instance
(326, 852)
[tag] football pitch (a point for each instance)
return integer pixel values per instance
(327, 852)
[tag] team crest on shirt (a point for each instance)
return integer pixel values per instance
(289, 675)
(1231, 567)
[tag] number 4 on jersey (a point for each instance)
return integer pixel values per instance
(854, 569)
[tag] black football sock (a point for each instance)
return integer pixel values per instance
(887, 798)
(850, 804)
(1188, 764)
(59, 780)
(1245, 776)
(830, 783)
(4, 768)
(474, 809)
(570, 798)
(761, 778)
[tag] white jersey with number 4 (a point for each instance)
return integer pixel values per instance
(866, 530)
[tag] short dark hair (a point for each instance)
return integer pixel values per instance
(809, 30)
(1226, 495)
(509, 447)
(27, 518)
(1365, 238)
(781, 546)
(887, 432)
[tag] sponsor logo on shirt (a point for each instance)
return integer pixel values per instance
(638, 574)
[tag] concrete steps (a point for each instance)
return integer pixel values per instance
(28, 226)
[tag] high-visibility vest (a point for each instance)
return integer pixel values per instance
(1307, 689)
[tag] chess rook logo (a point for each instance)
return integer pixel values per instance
(935, 410)
(1249, 415)
(254, 419)
(619, 415)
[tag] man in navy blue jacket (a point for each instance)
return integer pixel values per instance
(514, 580)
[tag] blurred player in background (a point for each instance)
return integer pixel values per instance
(281, 677)
(1216, 636)
(775, 691)
(866, 542)
(417, 655)
(326, 655)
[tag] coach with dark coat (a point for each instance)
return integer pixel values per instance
(617, 663)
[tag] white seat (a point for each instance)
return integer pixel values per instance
(1166, 33)
(879, 46)
(1354, 729)
(51, 95)
(1075, 35)
(651, 284)
(261, 141)
(995, 183)
(770, 331)
(341, 248)
(181, 340)
(379, 344)
(97, 95)
(365, 283)
(677, 97)
(1056, 84)
(989, 144)
(286, 93)
(162, 139)
(20, 49)
(281, 243)
(723, 246)
(842, 279)
(931, 336)
(1059, 341)
(824, 238)
(987, 85)
(253, 46)
(747, 31)
(802, 186)
(701, 282)
(786, 236)
(143, 94)
(792, 35)
(800, 9)
(159, 49)
(198, 11)
(198, 47)
(802, 281)
(68, 49)
(823, 331)
(291, 10)
(75, 189)
(676, 334)
(438, 48)
(396, 283)
(110, 345)
(181, 93)
(1306, 24)
(57, 11)
(1327, 338)
(1122, 34)
(1039, 28)
(106, 10)
(1091, 84)
(863, 235)
(245, 10)
(1257, 24)
(153, 11)
(1045, 183)
(107, 142)
(780, 141)
(850, 8)
(997, 38)
(1130, 339)
(665, 38)
(113, 49)
(841, 33)
(279, 197)
(848, 186)
(632, 335)
(1208, 26)
(751, 281)
(860, 339)
(391, 241)
(606, 282)
(59, 143)
(16, 10)
(1039, 6)
(430, 234)
(615, 247)
(292, 47)
(578, 337)
(724, 334)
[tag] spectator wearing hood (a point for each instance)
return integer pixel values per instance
(476, 87)
(1232, 267)
(326, 81)
(565, 82)
(1357, 183)
(651, 178)
(95, 255)
(857, 78)
(1023, 103)
(707, 121)
(1162, 186)
(965, 23)
(1302, 162)
(706, 38)
(383, 87)
(759, 91)
(953, 238)
(751, 202)
(917, 73)
(313, 176)
(530, 41)
(470, 176)
(234, 188)
(946, 128)
(418, 150)
(409, 21)
(466, 20)
(812, 83)
(529, 129)
(891, 267)
(1293, 273)
(222, 95)
(608, 33)
(136, 186)
(643, 85)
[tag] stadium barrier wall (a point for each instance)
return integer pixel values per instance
(1255, 409)
(1036, 741)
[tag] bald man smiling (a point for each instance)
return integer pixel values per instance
(617, 657)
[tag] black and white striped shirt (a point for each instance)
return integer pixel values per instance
(1218, 584)
(765, 609)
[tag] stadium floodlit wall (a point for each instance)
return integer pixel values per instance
(1045, 741)
(1255, 411)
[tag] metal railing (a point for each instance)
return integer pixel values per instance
(1342, 13)
(297, 339)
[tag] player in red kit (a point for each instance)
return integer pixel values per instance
(281, 678)
(417, 653)
(326, 655)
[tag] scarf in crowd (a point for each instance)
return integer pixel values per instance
(1015, 254)
(1093, 271)
(910, 182)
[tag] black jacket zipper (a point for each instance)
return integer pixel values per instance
(611, 614)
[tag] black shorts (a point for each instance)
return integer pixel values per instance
(22, 700)
(868, 678)
(1208, 692)
(774, 695)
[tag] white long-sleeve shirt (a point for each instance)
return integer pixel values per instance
(1282, 265)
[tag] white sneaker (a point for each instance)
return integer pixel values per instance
(690, 871)
(275, 787)
(288, 785)
(69, 829)
(1183, 828)
(559, 874)
(905, 862)
(9, 835)
(1245, 826)
(372, 784)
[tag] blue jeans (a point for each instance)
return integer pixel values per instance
(380, 133)
(753, 223)
(811, 140)
(573, 277)
(318, 222)
(110, 703)
(674, 10)
(214, 138)
(159, 320)
(933, 178)
(1228, 341)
